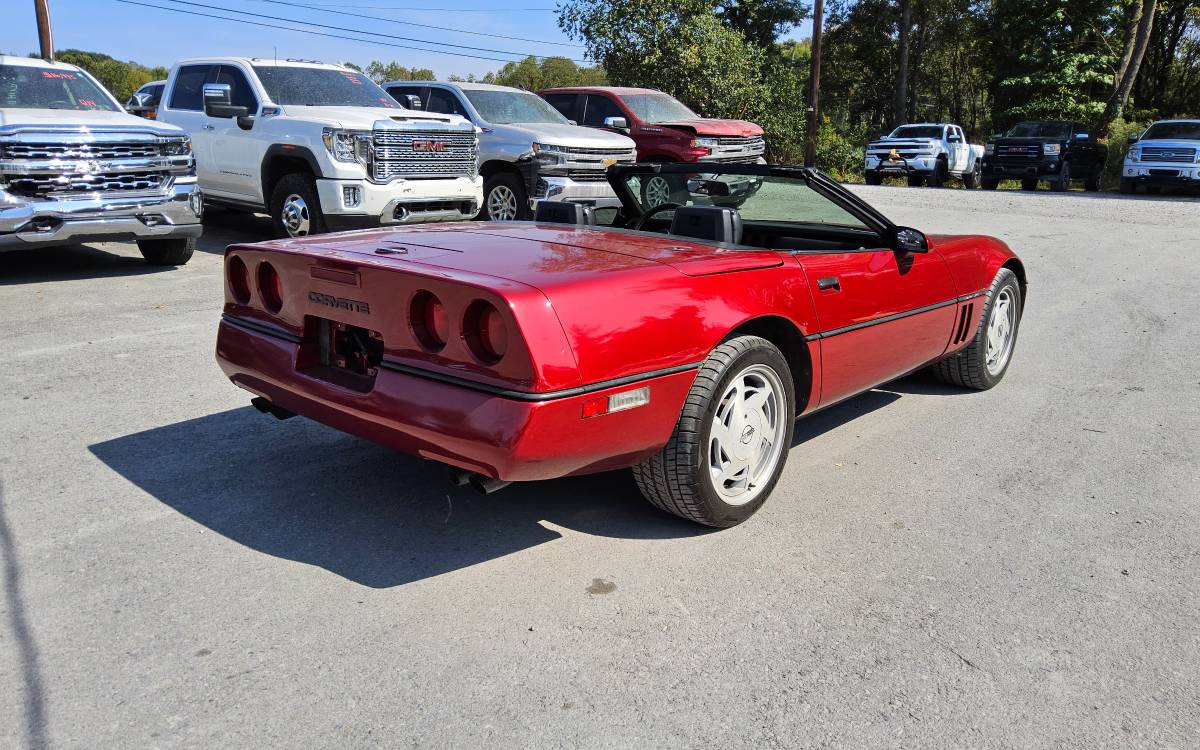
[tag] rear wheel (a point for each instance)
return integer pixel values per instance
(504, 198)
(731, 442)
(1029, 184)
(295, 207)
(175, 251)
(982, 364)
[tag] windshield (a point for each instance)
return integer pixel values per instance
(657, 108)
(917, 131)
(1183, 131)
(757, 198)
(321, 87)
(1040, 130)
(27, 87)
(507, 107)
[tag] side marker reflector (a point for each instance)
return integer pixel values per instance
(622, 401)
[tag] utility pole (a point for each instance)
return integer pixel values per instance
(814, 87)
(45, 36)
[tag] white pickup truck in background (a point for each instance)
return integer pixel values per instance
(319, 146)
(925, 153)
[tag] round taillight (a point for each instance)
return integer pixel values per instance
(270, 287)
(430, 323)
(485, 332)
(239, 279)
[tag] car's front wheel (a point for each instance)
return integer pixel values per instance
(731, 442)
(982, 364)
(971, 180)
(296, 207)
(872, 178)
(174, 251)
(504, 199)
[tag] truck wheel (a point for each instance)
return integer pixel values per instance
(973, 179)
(175, 251)
(504, 198)
(1128, 186)
(1092, 183)
(985, 360)
(731, 442)
(657, 191)
(295, 207)
(1063, 182)
(1029, 184)
(872, 178)
(990, 183)
(915, 180)
(940, 173)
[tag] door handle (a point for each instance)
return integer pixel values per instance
(828, 282)
(208, 127)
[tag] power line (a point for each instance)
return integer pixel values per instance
(447, 10)
(353, 31)
(311, 32)
(339, 9)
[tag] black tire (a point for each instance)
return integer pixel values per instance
(973, 179)
(505, 181)
(941, 173)
(1062, 183)
(1128, 186)
(872, 178)
(1092, 184)
(915, 180)
(302, 185)
(990, 183)
(677, 479)
(1029, 185)
(175, 251)
(968, 368)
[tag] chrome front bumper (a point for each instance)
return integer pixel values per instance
(598, 193)
(93, 217)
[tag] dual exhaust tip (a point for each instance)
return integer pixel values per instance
(484, 485)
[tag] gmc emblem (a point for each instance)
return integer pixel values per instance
(429, 146)
(339, 303)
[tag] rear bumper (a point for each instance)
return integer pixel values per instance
(31, 222)
(504, 438)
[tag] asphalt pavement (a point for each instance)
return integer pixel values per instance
(1015, 568)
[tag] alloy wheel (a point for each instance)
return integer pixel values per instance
(295, 215)
(502, 204)
(1001, 326)
(748, 434)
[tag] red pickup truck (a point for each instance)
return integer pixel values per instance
(661, 125)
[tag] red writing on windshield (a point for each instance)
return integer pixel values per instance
(87, 103)
(352, 78)
(59, 75)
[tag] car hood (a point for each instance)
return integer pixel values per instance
(894, 142)
(544, 256)
(563, 134)
(60, 119)
(364, 118)
(703, 126)
(1169, 143)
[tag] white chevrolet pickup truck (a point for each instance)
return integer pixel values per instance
(319, 147)
(927, 153)
(74, 167)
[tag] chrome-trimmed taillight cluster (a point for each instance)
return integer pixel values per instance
(483, 329)
(268, 283)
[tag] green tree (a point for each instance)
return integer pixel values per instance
(379, 72)
(530, 74)
(120, 78)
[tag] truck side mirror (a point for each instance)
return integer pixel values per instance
(1081, 136)
(413, 101)
(217, 98)
(1132, 140)
(617, 123)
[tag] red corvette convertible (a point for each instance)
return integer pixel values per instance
(680, 339)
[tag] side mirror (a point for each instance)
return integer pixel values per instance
(139, 100)
(711, 188)
(617, 123)
(216, 102)
(909, 240)
(413, 101)
(1132, 140)
(1081, 136)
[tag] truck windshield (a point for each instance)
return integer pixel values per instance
(917, 131)
(1040, 130)
(321, 87)
(30, 87)
(507, 107)
(658, 108)
(1183, 131)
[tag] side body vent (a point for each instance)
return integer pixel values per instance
(966, 315)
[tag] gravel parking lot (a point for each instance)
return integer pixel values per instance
(1013, 568)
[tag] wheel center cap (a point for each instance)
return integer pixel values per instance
(748, 438)
(747, 434)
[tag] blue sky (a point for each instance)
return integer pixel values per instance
(159, 37)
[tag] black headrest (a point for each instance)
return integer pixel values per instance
(714, 223)
(563, 212)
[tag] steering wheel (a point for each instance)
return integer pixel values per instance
(641, 222)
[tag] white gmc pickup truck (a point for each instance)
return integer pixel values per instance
(926, 153)
(74, 167)
(319, 146)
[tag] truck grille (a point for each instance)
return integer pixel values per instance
(1032, 151)
(737, 150)
(34, 166)
(424, 154)
(1168, 154)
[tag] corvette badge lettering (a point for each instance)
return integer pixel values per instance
(339, 303)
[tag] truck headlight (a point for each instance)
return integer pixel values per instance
(178, 146)
(1051, 149)
(348, 145)
(1133, 155)
(989, 149)
(549, 157)
(709, 143)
